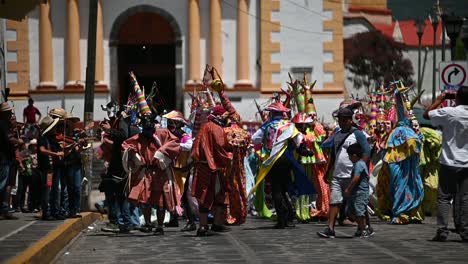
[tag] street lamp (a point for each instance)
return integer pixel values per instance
(453, 26)
(435, 22)
(420, 25)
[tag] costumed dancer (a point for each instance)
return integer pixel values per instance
(405, 190)
(259, 202)
(278, 137)
(429, 162)
(211, 158)
(239, 141)
(175, 124)
(316, 165)
(148, 159)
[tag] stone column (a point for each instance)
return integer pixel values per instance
(73, 67)
(216, 52)
(46, 54)
(194, 41)
(243, 52)
(100, 50)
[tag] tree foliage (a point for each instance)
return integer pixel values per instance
(373, 57)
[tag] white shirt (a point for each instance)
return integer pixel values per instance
(343, 165)
(453, 121)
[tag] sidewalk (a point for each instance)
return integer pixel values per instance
(29, 240)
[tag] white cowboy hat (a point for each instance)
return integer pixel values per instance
(47, 123)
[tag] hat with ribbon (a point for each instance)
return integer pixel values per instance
(47, 123)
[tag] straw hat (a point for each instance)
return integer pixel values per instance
(70, 117)
(5, 107)
(57, 113)
(47, 123)
(176, 116)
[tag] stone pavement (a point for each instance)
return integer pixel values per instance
(17, 235)
(257, 242)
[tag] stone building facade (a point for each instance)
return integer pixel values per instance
(253, 44)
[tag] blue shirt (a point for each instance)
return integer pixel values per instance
(360, 170)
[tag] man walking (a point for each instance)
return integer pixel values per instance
(453, 175)
(342, 165)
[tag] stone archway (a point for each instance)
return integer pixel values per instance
(147, 40)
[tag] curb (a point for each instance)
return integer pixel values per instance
(45, 250)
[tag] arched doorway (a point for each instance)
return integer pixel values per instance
(147, 41)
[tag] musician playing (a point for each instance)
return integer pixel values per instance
(49, 153)
(74, 144)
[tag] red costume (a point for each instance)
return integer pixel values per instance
(211, 157)
(153, 182)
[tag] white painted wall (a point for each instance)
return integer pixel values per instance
(302, 39)
(298, 49)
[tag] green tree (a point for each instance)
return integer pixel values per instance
(371, 57)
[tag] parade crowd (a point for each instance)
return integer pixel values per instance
(213, 170)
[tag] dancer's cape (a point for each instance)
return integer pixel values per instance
(285, 130)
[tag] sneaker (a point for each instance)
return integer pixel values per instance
(146, 228)
(74, 215)
(159, 231)
(203, 231)
(440, 237)
(365, 234)
(124, 230)
(370, 231)
(220, 228)
(113, 228)
(189, 227)
(358, 233)
(327, 233)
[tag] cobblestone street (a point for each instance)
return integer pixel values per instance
(257, 242)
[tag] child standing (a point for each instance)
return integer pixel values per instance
(358, 191)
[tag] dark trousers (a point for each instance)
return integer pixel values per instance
(4, 176)
(58, 193)
(24, 181)
(45, 194)
(280, 175)
(119, 207)
(187, 209)
(453, 185)
(35, 190)
(73, 179)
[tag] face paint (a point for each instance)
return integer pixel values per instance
(415, 126)
(388, 126)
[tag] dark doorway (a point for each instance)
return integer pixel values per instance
(147, 47)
